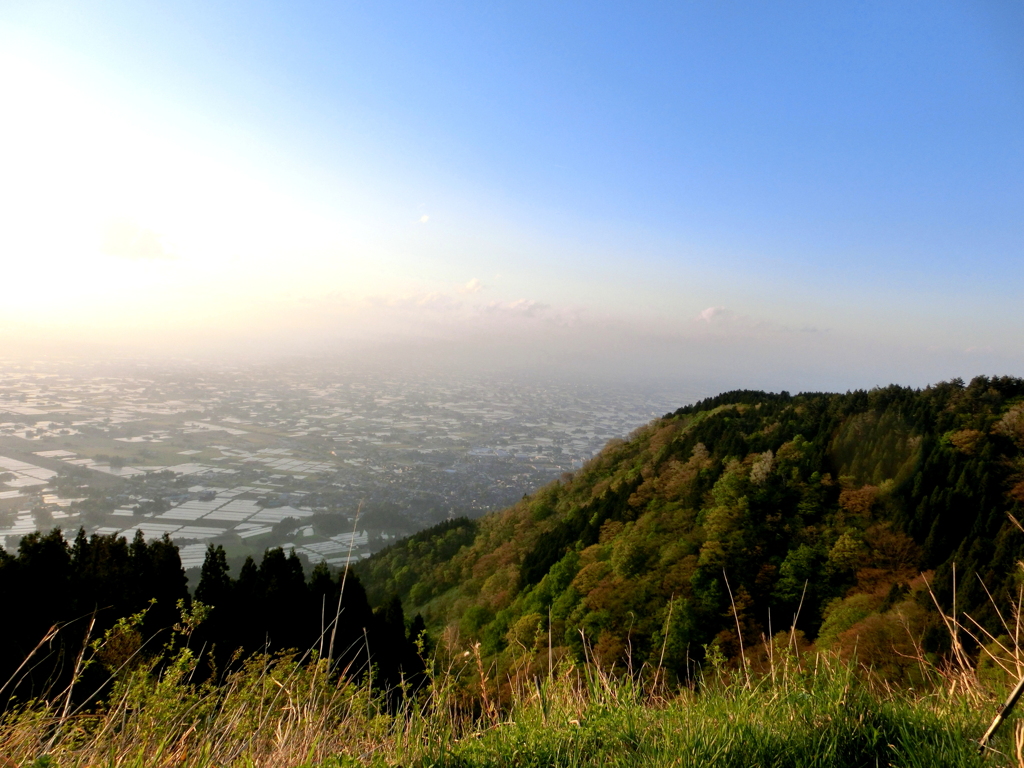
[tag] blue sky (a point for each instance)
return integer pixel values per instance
(799, 195)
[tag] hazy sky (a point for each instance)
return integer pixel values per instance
(799, 195)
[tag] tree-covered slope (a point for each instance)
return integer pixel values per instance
(63, 598)
(725, 519)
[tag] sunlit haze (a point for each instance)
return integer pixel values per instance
(789, 196)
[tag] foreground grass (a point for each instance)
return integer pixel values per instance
(826, 724)
(274, 712)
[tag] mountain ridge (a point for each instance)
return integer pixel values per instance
(839, 516)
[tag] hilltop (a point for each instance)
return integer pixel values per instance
(841, 519)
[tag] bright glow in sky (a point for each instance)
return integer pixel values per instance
(801, 195)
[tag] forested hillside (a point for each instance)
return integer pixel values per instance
(721, 522)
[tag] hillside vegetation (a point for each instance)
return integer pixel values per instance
(277, 714)
(756, 579)
(839, 519)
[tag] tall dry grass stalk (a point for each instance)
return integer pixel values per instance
(276, 712)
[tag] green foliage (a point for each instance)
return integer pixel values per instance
(824, 724)
(841, 614)
(418, 562)
(800, 501)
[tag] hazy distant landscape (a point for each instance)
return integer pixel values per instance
(257, 457)
(541, 384)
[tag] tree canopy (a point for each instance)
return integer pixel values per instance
(740, 516)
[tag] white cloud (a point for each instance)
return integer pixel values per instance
(519, 307)
(721, 320)
(711, 313)
(473, 286)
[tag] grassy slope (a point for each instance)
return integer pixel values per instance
(276, 714)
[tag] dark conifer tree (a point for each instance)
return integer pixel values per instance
(169, 584)
(418, 634)
(214, 590)
(284, 600)
(248, 632)
(323, 599)
(388, 644)
(214, 586)
(354, 625)
(44, 587)
(102, 578)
